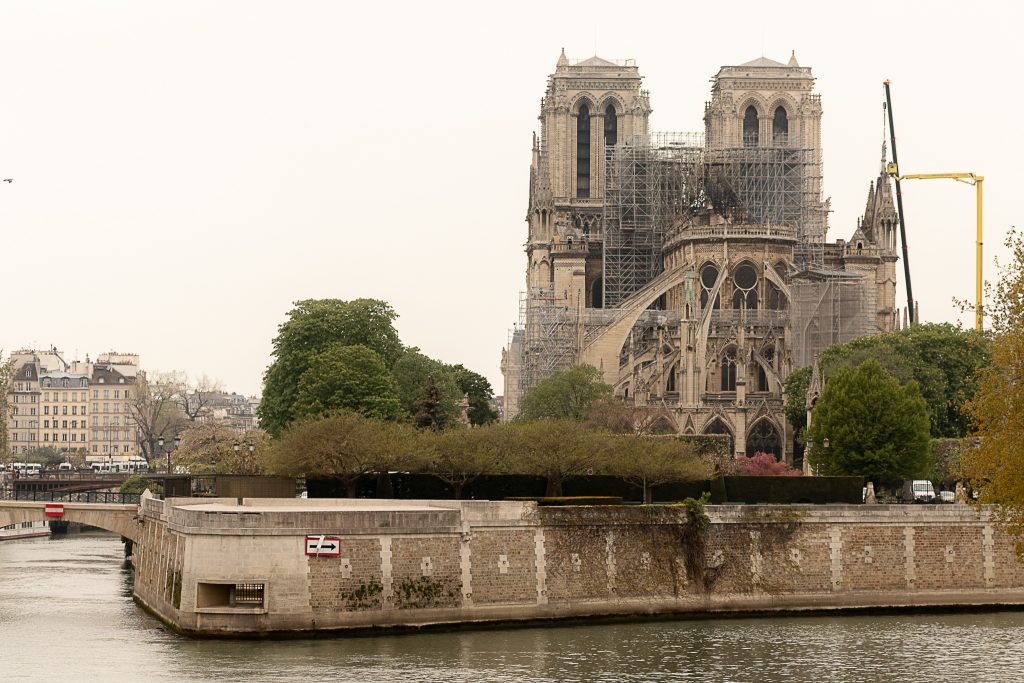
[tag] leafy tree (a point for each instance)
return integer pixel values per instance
(796, 397)
(477, 389)
(875, 427)
(651, 461)
(765, 465)
(565, 394)
(941, 358)
(549, 448)
(350, 378)
(137, 485)
(412, 372)
(431, 412)
(344, 445)
(617, 417)
(210, 447)
(459, 456)
(995, 465)
(312, 327)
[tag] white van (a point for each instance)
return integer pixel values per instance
(918, 491)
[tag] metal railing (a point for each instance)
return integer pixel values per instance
(78, 497)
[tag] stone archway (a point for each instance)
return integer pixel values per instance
(764, 437)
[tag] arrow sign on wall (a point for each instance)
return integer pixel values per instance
(323, 546)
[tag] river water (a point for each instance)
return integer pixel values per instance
(66, 614)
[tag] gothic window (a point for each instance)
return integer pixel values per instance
(670, 383)
(611, 126)
(776, 299)
(750, 127)
(716, 426)
(583, 152)
(762, 378)
(745, 279)
(729, 369)
(764, 438)
(597, 294)
(708, 277)
(780, 126)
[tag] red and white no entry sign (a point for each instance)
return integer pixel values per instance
(54, 509)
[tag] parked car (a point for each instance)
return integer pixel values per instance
(947, 496)
(918, 491)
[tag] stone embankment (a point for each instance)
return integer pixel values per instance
(214, 567)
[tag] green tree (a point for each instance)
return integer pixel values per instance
(479, 392)
(459, 456)
(411, 373)
(137, 484)
(430, 408)
(652, 461)
(941, 358)
(343, 445)
(312, 327)
(347, 377)
(209, 447)
(549, 448)
(565, 394)
(875, 427)
(995, 465)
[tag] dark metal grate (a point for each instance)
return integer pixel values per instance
(249, 594)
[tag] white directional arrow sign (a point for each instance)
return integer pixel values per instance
(323, 546)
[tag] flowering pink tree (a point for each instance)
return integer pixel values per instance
(765, 465)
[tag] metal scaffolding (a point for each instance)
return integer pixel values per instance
(649, 182)
(652, 182)
(827, 308)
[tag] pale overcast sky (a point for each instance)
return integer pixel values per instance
(184, 171)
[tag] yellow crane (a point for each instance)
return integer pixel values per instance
(969, 179)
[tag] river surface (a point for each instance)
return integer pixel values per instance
(66, 614)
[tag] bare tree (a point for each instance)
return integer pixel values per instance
(194, 401)
(156, 409)
(6, 376)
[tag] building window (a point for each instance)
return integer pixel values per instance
(611, 126)
(745, 279)
(750, 127)
(583, 152)
(729, 370)
(708, 278)
(780, 126)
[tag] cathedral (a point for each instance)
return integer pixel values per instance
(693, 270)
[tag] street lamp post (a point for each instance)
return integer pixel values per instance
(160, 444)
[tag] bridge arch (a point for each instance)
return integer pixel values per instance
(116, 518)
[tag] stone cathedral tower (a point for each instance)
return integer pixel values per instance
(692, 269)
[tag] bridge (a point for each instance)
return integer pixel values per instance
(119, 518)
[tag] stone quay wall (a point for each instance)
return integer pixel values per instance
(419, 563)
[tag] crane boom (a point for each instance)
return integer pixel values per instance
(899, 207)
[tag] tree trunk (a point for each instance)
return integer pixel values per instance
(350, 487)
(554, 489)
(384, 488)
(648, 494)
(458, 491)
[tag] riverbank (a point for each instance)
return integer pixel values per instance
(211, 567)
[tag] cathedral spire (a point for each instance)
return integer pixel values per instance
(563, 60)
(792, 59)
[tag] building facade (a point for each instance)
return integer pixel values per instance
(73, 407)
(692, 269)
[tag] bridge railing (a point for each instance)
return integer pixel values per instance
(74, 497)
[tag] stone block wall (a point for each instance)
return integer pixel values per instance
(424, 563)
